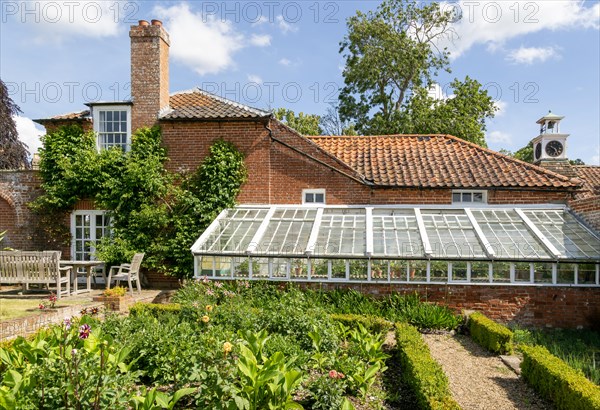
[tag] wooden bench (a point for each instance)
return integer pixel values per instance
(35, 267)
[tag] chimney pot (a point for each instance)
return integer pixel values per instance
(157, 23)
(143, 23)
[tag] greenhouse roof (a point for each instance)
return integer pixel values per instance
(547, 233)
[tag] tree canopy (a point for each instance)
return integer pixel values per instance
(392, 56)
(13, 152)
(305, 124)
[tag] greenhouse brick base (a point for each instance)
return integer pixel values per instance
(537, 306)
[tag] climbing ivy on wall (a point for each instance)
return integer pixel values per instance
(152, 210)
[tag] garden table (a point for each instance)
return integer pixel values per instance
(88, 266)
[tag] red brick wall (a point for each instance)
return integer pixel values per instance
(17, 189)
(149, 74)
(537, 306)
(500, 197)
(588, 209)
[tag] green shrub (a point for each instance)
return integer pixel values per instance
(154, 309)
(490, 335)
(422, 372)
(557, 381)
(372, 323)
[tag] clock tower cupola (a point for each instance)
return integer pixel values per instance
(550, 145)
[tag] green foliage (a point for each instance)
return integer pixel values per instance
(396, 307)
(14, 152)
(580, 349)
(305, 124)
(372, 323)
(392, 56)
(463, 115)
(557, 381)
(154, 309)
(490, 335)
(151, 210)
(116, 291)
(425, 376)
(63, 369)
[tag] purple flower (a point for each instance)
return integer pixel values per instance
(209, 292)
(67, 323)
(84, 331)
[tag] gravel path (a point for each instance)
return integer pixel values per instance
(478, 379)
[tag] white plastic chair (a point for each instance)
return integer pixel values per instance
(127, 271)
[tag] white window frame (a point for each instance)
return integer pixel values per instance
(93, 239)
(484, 196)
(314, 192)
(96, 121)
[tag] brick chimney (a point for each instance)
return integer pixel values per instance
(149, 72)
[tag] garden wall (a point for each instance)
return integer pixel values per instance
(537, 306)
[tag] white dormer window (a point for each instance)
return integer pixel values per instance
(313, 196)
(469, 197)
(112, 124)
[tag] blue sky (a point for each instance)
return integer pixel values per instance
(532, 56)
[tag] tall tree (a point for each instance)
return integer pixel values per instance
(462, 114)
(305, 124)
(388, 52)
(13, 152)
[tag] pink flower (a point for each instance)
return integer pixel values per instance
(333, 374)
(218, 285)
(67, 323)
(42, 306)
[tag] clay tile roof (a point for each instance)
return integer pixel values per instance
(590, 175)
(199, 104)
(436, 161)
(79, 115)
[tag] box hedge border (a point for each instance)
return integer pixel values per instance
(490, 335)
(554, 379)
(425, 376)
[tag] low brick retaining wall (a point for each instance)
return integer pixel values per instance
(536, 306)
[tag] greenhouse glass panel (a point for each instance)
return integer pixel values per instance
(287, 232)
(451, 234)
(480, 271)
(508, 234)
(342, 232)
(395, 233)
(571, 238)
(235, 231)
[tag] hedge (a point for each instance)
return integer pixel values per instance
(490, 335)
(154, 309)
(557, 381)
(373, 323)
(425, 376)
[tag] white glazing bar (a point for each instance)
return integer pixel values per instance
(209, 231)
(487, 247)
(551, 248)
(369, 230)
(314, 233)
(554, 273)
(260, 232)
(597, 274)
(423, 232)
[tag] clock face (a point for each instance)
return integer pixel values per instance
(554, 148)
(538, 150)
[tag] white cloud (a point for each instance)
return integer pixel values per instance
(253, 78)
(285, 62)
(205, 44)
(530, 55)
(492, 23)
(29, 132)
(59, 21)
(260, 40)
(499, 137)
(284, 26)
(501, 106)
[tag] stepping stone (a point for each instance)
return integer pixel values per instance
(513, 362)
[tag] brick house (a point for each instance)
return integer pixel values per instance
(432, 189)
